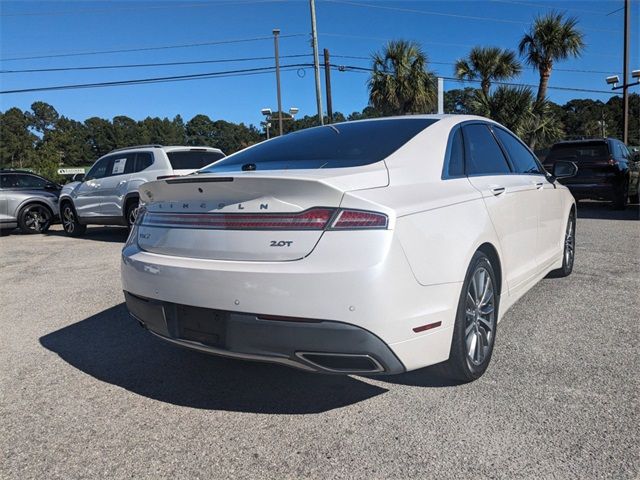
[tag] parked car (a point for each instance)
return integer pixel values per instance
(377, 246)
(108, 193)
(27, 201)
(606, 169)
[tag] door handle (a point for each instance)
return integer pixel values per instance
(497, 190)
(538, 185)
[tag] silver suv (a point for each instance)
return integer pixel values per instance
(28, 201)
(108, 193)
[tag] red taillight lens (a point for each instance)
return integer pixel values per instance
(359, 219)
(313, 219)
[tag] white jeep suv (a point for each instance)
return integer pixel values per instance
(108, 193)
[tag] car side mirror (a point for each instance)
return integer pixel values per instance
(51, 186)
(564, 169)
(78, 177)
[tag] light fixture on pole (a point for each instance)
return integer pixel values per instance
(267, 120)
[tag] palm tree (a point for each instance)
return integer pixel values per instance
(488, 64)
(516, 109)
(550, 38)
(400, 82)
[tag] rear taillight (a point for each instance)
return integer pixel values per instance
(318, 218)
(359, 219)
(612, 162)
(313, 219)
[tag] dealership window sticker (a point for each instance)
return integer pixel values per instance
(118, 166)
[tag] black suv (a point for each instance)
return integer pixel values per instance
(606, 169)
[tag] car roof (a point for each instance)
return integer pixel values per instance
(169, 148)
(584, 140)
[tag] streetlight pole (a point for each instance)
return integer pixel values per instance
(316, 60)
(276, 32)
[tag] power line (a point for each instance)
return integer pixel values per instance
(146, 7)
(444, 14)
(146, 49)
(347, 68)
(531, 4)
(145, 65)
(173, 78)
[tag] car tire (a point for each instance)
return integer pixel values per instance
(70, 223)
(635, 198)
(621, 197)
(35, 218)
(476, 323)
(131, 211)
(568, 254)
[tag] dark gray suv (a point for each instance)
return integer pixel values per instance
(27, 201)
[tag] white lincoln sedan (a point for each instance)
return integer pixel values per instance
(377, 246)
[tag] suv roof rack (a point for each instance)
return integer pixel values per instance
(133, 147)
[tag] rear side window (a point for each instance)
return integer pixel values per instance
(139, 161)
(22, 181)
(482, 153)
(193, 159)
(522, 159)
(349, 144)
(579, 152)
(456, 155)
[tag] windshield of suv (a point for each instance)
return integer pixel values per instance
(193, 159)
(348, 144)
(579, 152)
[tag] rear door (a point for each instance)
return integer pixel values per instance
(547, 197)
(511, 201)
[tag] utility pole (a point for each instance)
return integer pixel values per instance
(327, 80)
(625, 75)
(276, 32)
(316, 61)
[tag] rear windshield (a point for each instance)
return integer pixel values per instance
(192, 159)
(331, 146)
(577, 152)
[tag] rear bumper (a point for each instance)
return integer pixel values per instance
(319, 346)
(370, 288)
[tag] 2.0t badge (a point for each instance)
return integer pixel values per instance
(281, 243)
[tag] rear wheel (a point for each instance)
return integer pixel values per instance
(132, 211)
(474, 331)
(568, 255)
(70, 222)
(34, 218)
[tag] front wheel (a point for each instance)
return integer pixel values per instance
(70, 223)
(569, 251)
(132, 212)
(621, 197)
(34, 218)
(474, 331)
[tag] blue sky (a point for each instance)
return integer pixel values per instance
(446, 29)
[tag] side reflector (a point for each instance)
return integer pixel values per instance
(428, 326)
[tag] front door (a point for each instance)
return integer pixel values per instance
(87, 196)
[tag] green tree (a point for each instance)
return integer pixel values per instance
(551, 38)
(460, 100)
(516, 109)
(400, 82)
(488, 64)
(101, 137)
(43, 117)
(17, 142)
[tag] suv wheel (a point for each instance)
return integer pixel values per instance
(70, 222)
(621, 196)
(132, 211)
(474, 331)
(34, 218)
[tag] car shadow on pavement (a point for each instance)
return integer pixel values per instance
(111, 347)
(98, 234)
(604, 211)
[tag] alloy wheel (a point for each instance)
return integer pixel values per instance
(480, 316)
(133, 214)
(68, 219)
(37, 218)
(569, 244)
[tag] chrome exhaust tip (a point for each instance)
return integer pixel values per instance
(342, 362)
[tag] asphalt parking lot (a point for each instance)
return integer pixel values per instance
(86, 393)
